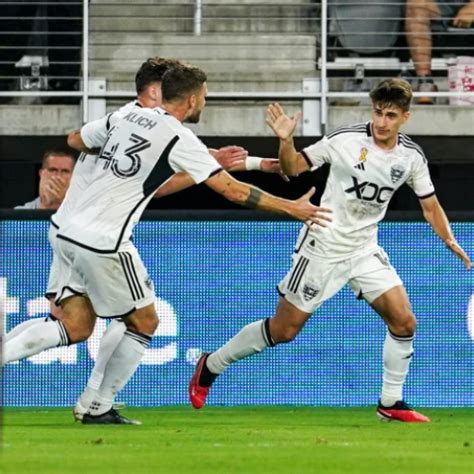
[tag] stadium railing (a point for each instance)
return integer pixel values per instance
(41, 46)
(335, 62)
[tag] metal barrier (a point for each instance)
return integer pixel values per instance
(339, 61)
(41, 45)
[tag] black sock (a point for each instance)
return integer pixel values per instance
(207, 377)
(268, 336)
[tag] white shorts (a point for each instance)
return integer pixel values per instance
(311, 280)
(116, 284)
(53, 277)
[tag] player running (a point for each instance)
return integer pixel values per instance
(368, 163)
(232, 158)
(100, 270)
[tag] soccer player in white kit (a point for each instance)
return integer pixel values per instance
(100, 271)
(148, 86)
(368, 163)
(233, 158)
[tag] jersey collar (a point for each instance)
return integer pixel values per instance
(161, 111)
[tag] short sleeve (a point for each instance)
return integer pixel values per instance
(318, 154)
(191, 156)
(94, 133)
(419, 179)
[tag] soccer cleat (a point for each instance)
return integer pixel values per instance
(197, 393)
(110, 417)
(400, 412)
(79, 410)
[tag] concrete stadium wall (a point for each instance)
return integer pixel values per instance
(237, 118)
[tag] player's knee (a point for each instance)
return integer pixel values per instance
(285, 334)
(144, 324)
(78, 333)
(151, 326)
(405, 325)
(410, 326)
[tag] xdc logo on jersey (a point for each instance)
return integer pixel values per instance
(367, 191)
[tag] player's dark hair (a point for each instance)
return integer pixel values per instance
(153, 70)
(390, 92)
(182, 81)
(48, 153)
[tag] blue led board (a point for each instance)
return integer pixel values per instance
(212, 278)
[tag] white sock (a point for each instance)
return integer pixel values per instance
(251, 339)
(34, 340)
(19, 328)
(397, 354)
(108, 343)
(121, 366)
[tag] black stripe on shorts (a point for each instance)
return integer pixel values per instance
(297, 274)
(130, 275)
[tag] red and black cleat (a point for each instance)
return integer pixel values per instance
(198, 393)
(400, 412)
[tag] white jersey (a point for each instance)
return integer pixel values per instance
(82, 172)
(362, 179)
(141, 152)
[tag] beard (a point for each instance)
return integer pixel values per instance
(194, 117)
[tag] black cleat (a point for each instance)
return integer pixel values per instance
(110, 417)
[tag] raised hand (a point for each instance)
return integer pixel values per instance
(52, 190)
(309, 213)
(282, 125)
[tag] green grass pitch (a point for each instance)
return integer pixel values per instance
(250, 440)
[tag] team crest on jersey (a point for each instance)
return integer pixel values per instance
(310, 291)
(362, 159)
(396, 173)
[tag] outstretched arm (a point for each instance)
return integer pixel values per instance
(252, 197)
(255, 163)
(178, 182)
(292, 163)
(235, 158)
(436, 217)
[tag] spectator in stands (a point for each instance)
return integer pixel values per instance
(55, 175)
(419, 14)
